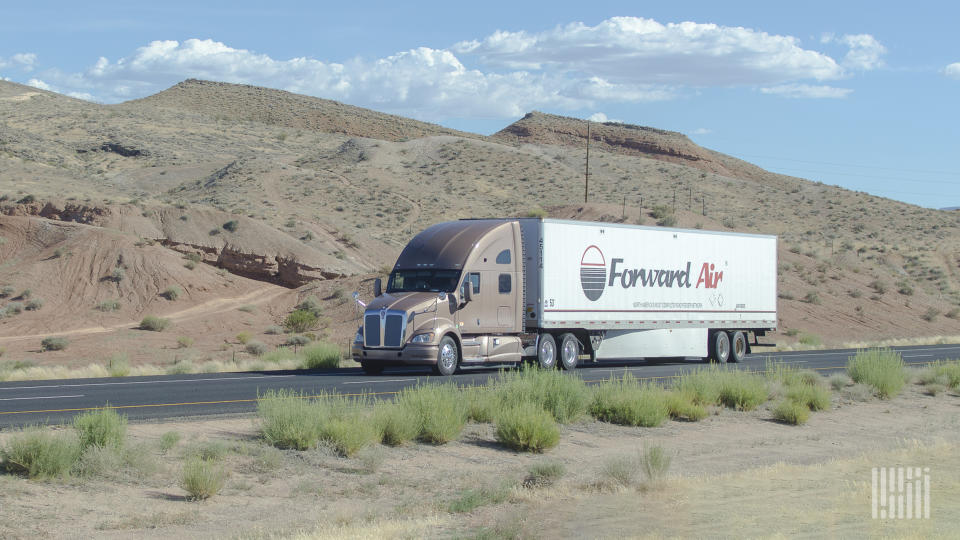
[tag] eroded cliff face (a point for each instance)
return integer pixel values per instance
(259, 253)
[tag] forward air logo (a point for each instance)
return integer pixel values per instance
(593, 272)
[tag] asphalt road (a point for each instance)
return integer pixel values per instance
(170, 396)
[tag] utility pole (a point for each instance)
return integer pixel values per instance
(623, 212)
(586, 173)
(674, 200)
(703, 200)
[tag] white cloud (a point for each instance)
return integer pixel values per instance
(953, 70)
(37, 83)
(571, 68)
(865, 52)
(807, 91)
(631, 50)
(701, 131)
(24, 61)
(601, 118)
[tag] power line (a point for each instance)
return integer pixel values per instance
(852, 165)
(897, 178)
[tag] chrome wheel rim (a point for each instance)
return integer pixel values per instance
(723, 349)
(547, 354)
(448, 356)
(569, 352)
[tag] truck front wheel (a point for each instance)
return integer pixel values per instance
(448, 357)
(371, 368)
(719, 347)
(547, 352)
(569, 351)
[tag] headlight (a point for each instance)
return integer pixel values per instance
(422, 338)
(359, 337)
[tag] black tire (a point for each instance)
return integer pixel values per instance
(738, 346)
(371, 368)
(547, 352)
(719, 347)
(569, 352)
(448, 357)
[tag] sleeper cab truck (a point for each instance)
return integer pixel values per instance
(493, 291)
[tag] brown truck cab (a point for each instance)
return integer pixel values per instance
(455, 296)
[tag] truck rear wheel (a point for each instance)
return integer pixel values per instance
(738, 346)
(448, 357)
(719, 347)
(569, 351)
(547, 352)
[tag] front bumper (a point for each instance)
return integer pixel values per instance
(412, 354)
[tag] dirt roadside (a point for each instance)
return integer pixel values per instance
(733, 474)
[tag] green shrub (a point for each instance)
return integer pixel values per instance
(256, 348)
(321, 356)
(715, 385)
(682, 405)
(440, 408)
(627, 402)
(34, 304)
(6, 291)
(154, 324)
(948, 370)
(101, 427)
(300, 321)
(172, 292)
(701, 384)
(880, 368)
(537, 212)
(14, 308)
(312, 305)
(620, 471)
(481, 403)
(348, 434)
(244, 337)
(930, 314)
(231, 225)
(810, 339)
(40, 454)
(180, 367)
(814, 397)
(791, 412)
(202, 478)
(168, 440)
(838, 381)
(273, 330)
(54, 343)
(565, 397)
(296, 341)
(118, 274)
(396, 425)
(526, 427)
(543, 474)
(184, 342)
(289, 420)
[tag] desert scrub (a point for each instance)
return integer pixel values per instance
(682, 405)
(526, 427)
(34, 304)
(655, 462)
(289, 420)
(732, 388)
(184, 342)
(471, 499)
(563, 396)
(101, 427)
(154, 324)
(627, 402)
(256, 348)
(543, 474)
(880, 368)
(396, 425)
(202, 478)
(619, 471)
(789, 411)
(118, 365)
(301, 321)
(168, 440)
(481, 403)
(107, 305)
(440, 408)
(39, 453)
(244, 337)
(231, 225)
(172, 292)
(321, 356)
(54, 343)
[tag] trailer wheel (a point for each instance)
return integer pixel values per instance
(738, 346)
(569, 351)
(547, 352)
(719, 347)
(448, 357)
(371, 368)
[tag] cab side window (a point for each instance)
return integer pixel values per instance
(506, 284)
(472, 278)
(503, 257)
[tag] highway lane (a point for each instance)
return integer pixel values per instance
(147, 398)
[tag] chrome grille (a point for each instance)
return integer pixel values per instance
(384, 329)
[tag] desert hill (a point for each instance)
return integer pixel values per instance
(324, 196)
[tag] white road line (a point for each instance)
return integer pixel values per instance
(149, 382)
(917, 356)
(788, 354)
(39, 397)
(372, 381)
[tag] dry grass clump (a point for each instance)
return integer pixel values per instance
(440, 409)
(202, 478)
(566, 398)
(101, 427)
(154, 323)
(627, 402)
(543, 474)
(39, 453)
(880, 368)
(791, 412)
(715, 385)
(526, 427)
(292, 420)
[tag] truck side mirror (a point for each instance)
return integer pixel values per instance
(377, 287)
(468, 293)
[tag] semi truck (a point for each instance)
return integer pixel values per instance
(558, 292)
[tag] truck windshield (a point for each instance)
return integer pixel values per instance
(423, 280)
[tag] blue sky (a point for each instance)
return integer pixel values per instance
(858, 94)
